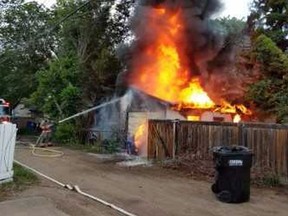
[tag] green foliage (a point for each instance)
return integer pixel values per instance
(110, 146)
(70, 95)
(23, 176)
(58, 94)
(271, 17)
(268, 25)
(230, 27)
(271, 92)
(105, 147)
(62, 59)
(9, 3)
(25, 47)
(272, 181)
(30, 33)
(66, 133)
(272, 59)
(93, 33)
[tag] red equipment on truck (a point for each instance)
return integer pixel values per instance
(4, 111)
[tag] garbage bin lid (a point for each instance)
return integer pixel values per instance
(231, 149)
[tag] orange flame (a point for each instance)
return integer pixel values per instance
(237, 118)
(193, 118)
(138, 136)
(160, 69)
(195, 97)
(228, 108)
(163, 75)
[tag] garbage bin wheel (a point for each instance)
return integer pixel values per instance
(214, 188)
(225, 196)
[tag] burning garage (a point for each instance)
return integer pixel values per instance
(179, 67)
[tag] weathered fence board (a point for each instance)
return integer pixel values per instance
(269, 142)
(163, 145)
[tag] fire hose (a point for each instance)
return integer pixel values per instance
(78, 190)
(56, 152)
(53, 152)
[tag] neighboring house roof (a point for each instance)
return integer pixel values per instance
(21, 111)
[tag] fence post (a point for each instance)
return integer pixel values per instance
(240, 134)
(175, 138)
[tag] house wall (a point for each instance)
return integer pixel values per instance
(215, 117)
(171, 115)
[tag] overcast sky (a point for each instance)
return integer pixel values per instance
(233, 8)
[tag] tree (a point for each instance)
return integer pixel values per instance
(231, 27)
(58, 93)
(88, 34)
(268, 25)
(85, 72)
(270, 93)
(93, 33)
(9, 3)
(25, 46)
(270, 17)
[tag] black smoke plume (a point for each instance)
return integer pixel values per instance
(205, 50)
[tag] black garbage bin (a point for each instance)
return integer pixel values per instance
(232, 180)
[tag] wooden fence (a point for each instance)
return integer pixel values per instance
(269, 142)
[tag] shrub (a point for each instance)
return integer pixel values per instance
(65, 133)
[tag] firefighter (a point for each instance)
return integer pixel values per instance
(46, 134)
(130, 144)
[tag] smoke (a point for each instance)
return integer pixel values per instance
(111, 118)
(204, 49)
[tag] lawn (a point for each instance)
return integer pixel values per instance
(22, 179)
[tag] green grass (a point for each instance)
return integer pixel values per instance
(22, 179)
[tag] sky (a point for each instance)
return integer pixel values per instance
(236, 8)
(232, 8)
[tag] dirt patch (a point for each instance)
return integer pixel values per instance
(193, 168)
(149, 191)
(68, 202)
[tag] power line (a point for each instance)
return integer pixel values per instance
(62, 20)
(69, 15)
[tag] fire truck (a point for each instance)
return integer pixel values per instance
(4, 111)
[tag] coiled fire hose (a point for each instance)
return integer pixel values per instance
(55, 153)
(52, 153)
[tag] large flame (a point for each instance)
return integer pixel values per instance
(160, 69)
(195, 97)
(162, 75)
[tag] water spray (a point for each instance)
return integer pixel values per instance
(91, 109)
